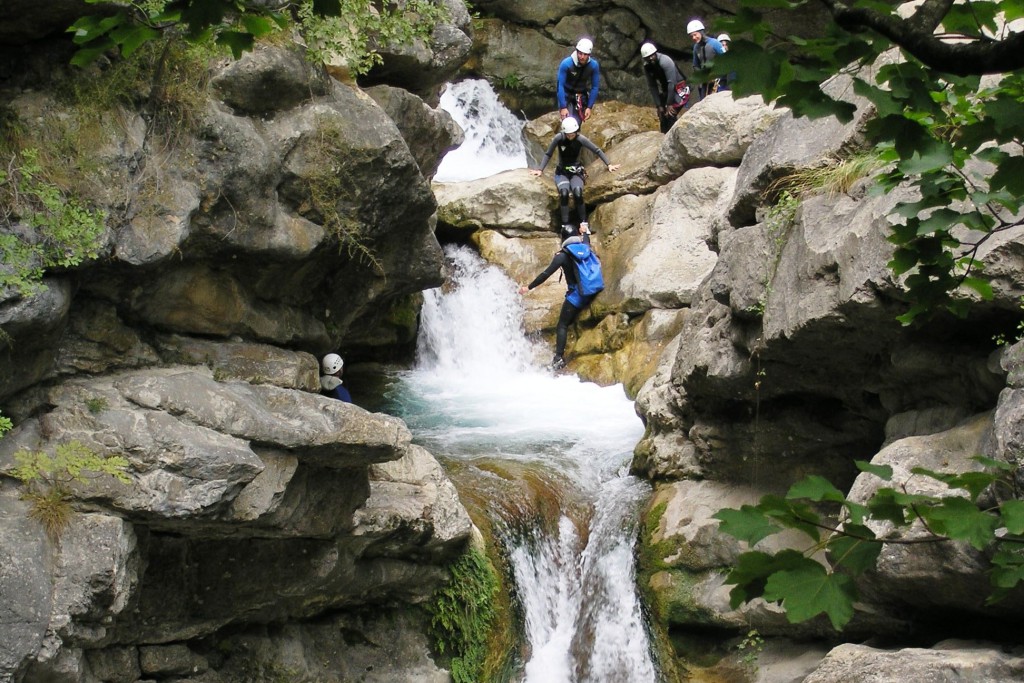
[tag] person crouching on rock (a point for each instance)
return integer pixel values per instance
(570, 172)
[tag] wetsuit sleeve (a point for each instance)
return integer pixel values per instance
(595, 81)
(586, 142)
(341, 393)
(549, 152)
(652, 85)
(555, 264)
(563, 72)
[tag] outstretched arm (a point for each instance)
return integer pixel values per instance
(589, 144)
(547, 156)
(557, 262)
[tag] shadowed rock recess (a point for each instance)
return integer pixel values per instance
(268, 533)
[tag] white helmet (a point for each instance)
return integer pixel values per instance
(570, 125)
(586, 46)
(724, 38)
(647, 49)
(694, 26)
(332, 363)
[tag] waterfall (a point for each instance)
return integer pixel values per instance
(494, 136)
(479, 397)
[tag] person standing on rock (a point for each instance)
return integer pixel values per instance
(330, 382)
(579, 290)
(725, 81)
(570, 172)
(668, 87)
(705, 49)
(578, 78)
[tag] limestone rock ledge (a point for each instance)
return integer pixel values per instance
(248, 506)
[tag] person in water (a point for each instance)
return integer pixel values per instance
(570, 173)
(330, 382)
(574, 302)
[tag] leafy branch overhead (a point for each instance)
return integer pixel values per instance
(947, 133)
(351, 29)
(807, 587)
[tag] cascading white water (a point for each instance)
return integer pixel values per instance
(494, 136)
(477, 392)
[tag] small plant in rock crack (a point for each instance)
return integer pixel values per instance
(47, 480)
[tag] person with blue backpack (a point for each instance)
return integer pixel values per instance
(583, 279)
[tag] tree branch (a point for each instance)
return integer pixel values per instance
(970, 55)
(929, 15)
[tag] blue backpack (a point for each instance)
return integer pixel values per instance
(589, 278)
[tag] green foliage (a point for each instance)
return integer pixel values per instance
(60, 230)
(750, 648)
(933, 128)
(1001, 340)
(358, 29)
(329, 190)
(512, 81)
(5, 425)
(806, 588)
(47, 480)
(781, 217)
(833, 176)
(351, 29)
(462, 614)
(96, 404)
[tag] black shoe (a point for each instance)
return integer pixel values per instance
(557, 363)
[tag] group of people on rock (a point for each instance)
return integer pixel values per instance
(576, 91)
(668, 86)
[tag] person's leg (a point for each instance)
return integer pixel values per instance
(565, 318)
(576, 183)
(562, 183)
(572, 104)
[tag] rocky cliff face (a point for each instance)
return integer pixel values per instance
(265, 532)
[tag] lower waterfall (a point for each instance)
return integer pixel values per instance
(480, 400)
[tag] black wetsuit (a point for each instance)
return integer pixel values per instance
(569, 173)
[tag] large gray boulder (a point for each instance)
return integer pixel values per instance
(953, 661)
(245, 503)
(512, 202)
(664, 265)
(716, 131)
(419, 65)
(429, 132)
